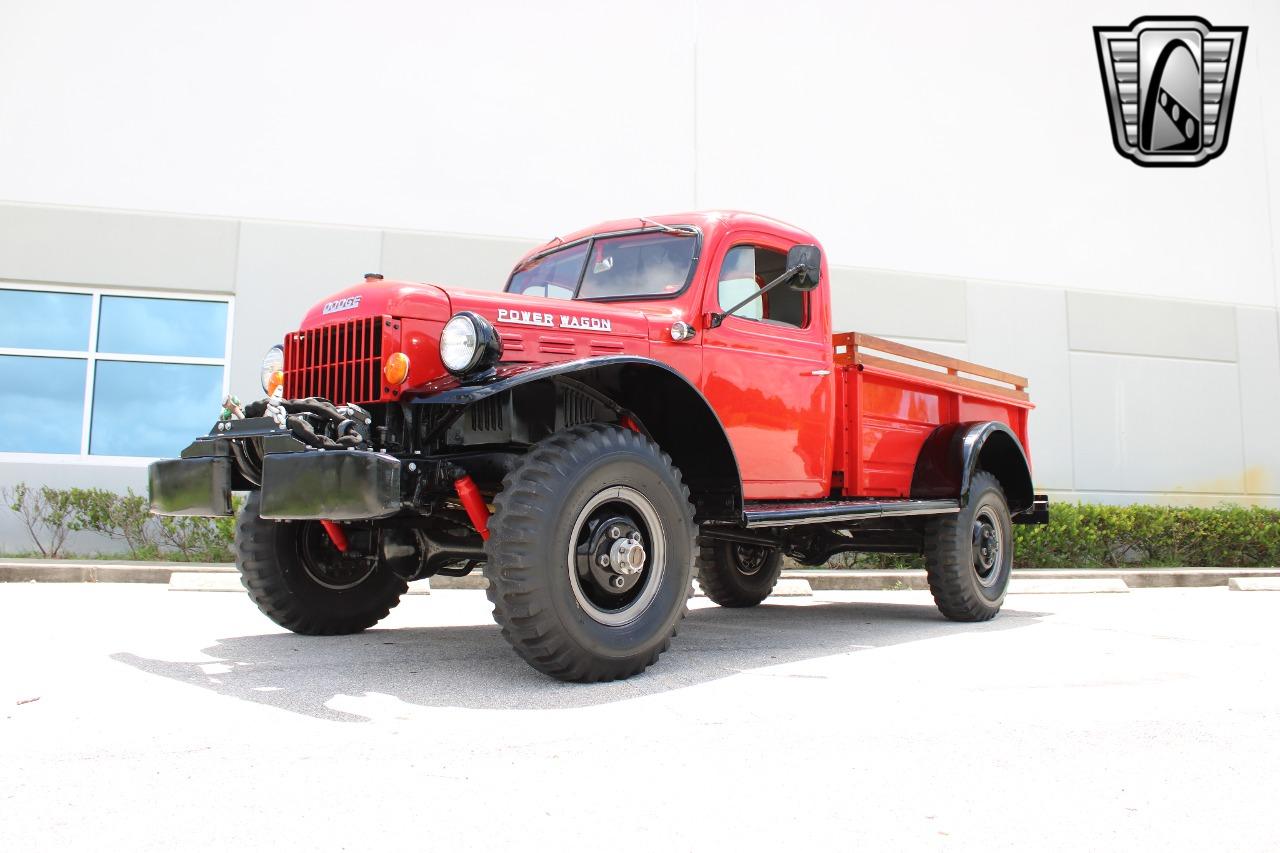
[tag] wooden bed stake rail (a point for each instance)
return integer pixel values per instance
(854, 342)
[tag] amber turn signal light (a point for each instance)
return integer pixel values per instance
(276, 380)
(396, 369)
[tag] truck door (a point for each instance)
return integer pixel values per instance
(767, 372)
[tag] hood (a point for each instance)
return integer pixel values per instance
(376, 296)
(533, 329)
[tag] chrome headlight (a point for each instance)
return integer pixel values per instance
(272, 368)
(469, 343)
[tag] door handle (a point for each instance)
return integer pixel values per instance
(816, 373)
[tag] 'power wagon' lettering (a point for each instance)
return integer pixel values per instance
(542, 318)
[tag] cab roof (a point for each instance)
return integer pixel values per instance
(711, 222)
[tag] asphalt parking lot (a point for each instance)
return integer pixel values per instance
(152, 719)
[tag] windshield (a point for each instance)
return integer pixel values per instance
(648, 264)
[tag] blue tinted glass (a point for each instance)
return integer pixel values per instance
(152, 409)
(45, 397)
(40, 320)
(142, 326)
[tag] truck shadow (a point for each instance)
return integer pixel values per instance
(473, 667)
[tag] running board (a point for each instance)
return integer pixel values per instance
(788, 513)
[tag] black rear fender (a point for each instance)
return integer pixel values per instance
(954, 452)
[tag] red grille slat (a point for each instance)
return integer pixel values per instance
(361, 338)
(330, 354)
(339, 361)
(309, 359)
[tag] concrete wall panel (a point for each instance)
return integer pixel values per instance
(1024, 330)
(282, 270)
(483, 263)
(1156, 425)
(1104, 322)
(1260, 398)
(105, 247)
(885, 303)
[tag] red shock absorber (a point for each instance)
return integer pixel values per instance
(473, 503)
(629, 422)
(337, 535)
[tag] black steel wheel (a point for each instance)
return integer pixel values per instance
(733, 574)
(302, 582)
(590, 554)
(969, 556)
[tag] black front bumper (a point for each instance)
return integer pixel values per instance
(296, 482)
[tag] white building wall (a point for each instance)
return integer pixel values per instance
(955, 159)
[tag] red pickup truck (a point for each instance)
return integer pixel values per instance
(647, 400)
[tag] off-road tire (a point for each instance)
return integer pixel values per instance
(537, 601)
(733, 576)
(958, 587)
(271, 567)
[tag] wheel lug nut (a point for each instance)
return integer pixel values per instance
(615, 532)
(618, 581)
(604, 560)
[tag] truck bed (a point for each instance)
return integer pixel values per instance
(888, 402)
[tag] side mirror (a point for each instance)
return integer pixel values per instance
(810, 257)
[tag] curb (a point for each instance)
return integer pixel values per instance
(124, 571)
(1254, 584)
(848, 579)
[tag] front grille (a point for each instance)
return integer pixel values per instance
(341, 362)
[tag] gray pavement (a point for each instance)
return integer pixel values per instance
(157, 720)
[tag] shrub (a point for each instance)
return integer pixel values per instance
(126, 518)
(45, 513)
(207, 540)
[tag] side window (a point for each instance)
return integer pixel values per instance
(745, 270)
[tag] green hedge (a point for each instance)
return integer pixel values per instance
(1098, 536)
(1095, 536)
(1077, 535)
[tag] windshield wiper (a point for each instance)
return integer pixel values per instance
(686, 230)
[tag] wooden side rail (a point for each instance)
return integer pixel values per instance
(853, 355)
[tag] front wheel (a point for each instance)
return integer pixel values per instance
(302, 582)
(590, 554)
(969, 556)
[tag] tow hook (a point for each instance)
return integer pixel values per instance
(336, 535)
(473, 503)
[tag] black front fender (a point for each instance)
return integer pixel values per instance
(669, 408)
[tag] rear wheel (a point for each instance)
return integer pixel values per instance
(969, 556)
(590, 554)
(737, 575)
(302, 582)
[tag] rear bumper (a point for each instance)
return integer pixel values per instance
(335, 485)
(1038, 513)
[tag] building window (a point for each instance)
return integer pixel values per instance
(90, 373)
